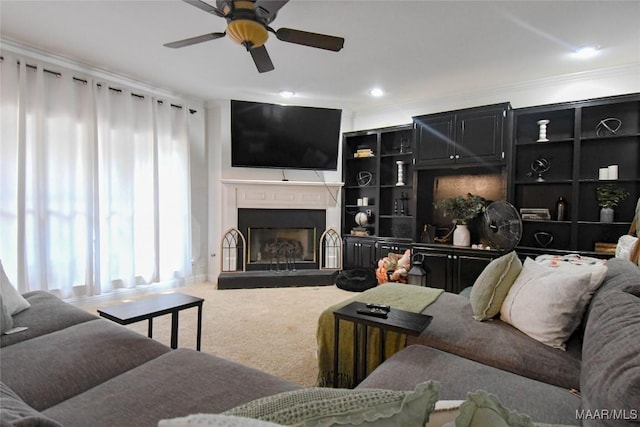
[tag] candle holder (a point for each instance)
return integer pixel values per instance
(400, 164)
(542, 132)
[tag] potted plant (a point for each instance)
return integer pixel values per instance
(608, 197)
(461, 210)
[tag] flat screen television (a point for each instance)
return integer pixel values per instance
(284, 136)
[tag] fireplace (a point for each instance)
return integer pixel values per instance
(268, 246)
(282, 239)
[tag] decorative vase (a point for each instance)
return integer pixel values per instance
(542, 131)
(606, 215)
(461, 235)
(400, 165)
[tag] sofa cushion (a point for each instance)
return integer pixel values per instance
(327, 406)
(610, 377)
(12, 298)
(14, 412)
(548, 303)
(176, 384)
(48, 314)
(458, 376)
(492, 285)
(497, 344)
(54, 367)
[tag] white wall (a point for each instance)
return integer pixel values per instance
(218, 132)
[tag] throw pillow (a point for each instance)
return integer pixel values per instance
(12, 298)
(483, 409)
(214, 420)
(6, 321)
(577, 263)
(546, 303)
(15, 412)
(492, 285)
(327, 406)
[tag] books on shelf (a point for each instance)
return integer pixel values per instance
(363, 152)
(535, 214)
(359, 231)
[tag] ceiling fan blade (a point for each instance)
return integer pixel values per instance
(306, 38)
(268, 8)
(204, 6)
(194, 40)
(261, 59)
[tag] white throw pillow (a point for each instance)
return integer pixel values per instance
(548, 303)
(13, 300)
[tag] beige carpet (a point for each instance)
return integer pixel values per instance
(271, 329)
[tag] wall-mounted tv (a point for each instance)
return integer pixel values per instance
(284, 136)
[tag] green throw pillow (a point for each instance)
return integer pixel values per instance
(482, 409)
(492, 285)
(327, 406)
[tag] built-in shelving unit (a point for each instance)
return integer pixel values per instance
(579, 145)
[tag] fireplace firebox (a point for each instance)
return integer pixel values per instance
(282, 239)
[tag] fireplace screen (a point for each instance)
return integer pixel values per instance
(283, 247)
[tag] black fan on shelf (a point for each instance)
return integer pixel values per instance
(248, 24)
(502, 225)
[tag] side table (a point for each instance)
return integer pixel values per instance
(148, 308)
(400, 321)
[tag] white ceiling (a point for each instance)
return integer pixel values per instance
(414, 50)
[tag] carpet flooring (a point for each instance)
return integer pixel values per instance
(270, 329)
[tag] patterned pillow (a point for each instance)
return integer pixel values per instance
(327, 406)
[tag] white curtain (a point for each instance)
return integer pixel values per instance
(94, 190)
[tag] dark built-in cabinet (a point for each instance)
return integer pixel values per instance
(582, 138)
(498, 141)
(451, 268)
(471, 136)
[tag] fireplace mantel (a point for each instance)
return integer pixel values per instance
(245, 193)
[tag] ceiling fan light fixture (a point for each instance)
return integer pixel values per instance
(248, 33)
(287, 93)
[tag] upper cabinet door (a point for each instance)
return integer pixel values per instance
(435, 139)
(480, 136)
(471, 136)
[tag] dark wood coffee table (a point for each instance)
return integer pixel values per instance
(148, 308)
(403, 322)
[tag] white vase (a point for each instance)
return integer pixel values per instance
(606, 215)
(461, 235)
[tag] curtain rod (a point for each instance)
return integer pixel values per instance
(59, 74)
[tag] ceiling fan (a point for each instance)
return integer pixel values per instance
(248, 24)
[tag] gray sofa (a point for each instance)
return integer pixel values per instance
(76, 369)
(602, 360)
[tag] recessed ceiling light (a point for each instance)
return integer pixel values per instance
(377, 92)
(586, 52)
(287, 93)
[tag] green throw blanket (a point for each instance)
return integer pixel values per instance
(399, 296)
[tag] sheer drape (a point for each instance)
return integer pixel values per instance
(94, 186)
